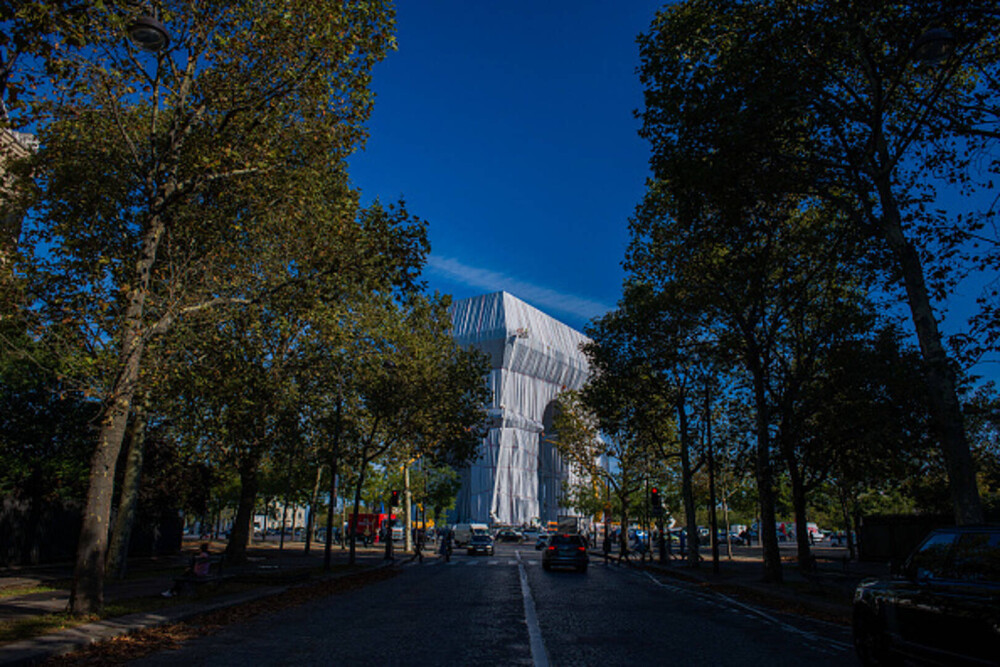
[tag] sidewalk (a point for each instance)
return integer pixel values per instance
(267, 571)
(824, 593)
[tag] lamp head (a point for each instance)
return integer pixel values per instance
(934, 46)
(148, 34)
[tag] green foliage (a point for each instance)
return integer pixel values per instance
(169, 185)
(45, 434)
(751, 107)
(441, 491)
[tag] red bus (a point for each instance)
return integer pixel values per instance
(368, 524)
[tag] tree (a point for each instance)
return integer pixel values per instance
(151, 165)
(826, 101)
(593, 433)
(982, 411)
(418, 392)
(653, 355)
(741, 274)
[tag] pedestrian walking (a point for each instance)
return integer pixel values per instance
(622, 547)
(445, 548)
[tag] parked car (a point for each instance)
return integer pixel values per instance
(565, 550)
(941, 607)
(480, 544)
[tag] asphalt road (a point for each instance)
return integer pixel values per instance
(505, 610)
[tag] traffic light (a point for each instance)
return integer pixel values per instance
(394, 501)
(654, 501)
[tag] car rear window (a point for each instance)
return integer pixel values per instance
(562, 540)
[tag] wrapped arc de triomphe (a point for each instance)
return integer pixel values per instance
(518, 475)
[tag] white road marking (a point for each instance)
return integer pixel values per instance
(539, 655)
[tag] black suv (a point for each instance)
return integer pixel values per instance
(565, 551)
(943, 607)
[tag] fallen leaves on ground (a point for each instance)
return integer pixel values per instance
(171, 637)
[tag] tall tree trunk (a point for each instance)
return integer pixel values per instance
(846, 513)
(725, 515)
(407, 510)
(623, 535)
(795, 477)
(87, 594)
(334, 456)
(941, 383)
(284, 517)
(801, 519)
(284, 506)
(328, 545)
(236, 550)
(313, 500)
(687, 487)
(765, 483)
(353, 523)
(121, 536)
(713, 517)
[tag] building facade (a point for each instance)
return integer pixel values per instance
(518, 476)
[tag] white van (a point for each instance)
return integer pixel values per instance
(463, 532)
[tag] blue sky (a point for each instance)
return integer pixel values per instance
(509, 127)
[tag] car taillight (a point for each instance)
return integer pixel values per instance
(552, 548)
(581, 548)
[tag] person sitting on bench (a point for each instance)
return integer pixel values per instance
(201, 564)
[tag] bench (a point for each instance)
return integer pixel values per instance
(190, 580)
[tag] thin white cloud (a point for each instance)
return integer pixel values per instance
(493, 281)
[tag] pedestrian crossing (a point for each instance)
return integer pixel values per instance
(473, 562)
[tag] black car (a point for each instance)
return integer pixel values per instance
(480, 544)
(565, 551)
(509, 536)
(941, 608)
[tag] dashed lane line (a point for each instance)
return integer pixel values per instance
(539, 655)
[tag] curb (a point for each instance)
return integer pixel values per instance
(765, 595)
(37, 649)
(762, 594)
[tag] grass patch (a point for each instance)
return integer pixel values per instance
(33, 626)
(36, 626)
(16, 591)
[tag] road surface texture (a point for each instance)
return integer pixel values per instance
(505, 609)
